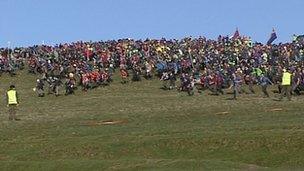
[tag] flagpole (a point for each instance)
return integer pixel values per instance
(8, 49)
(189, 51)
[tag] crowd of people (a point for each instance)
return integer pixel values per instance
(189, 64)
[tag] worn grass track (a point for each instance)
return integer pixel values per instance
(160, 130)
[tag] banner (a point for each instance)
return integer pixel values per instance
(273, 36)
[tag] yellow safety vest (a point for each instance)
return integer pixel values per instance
(12, 97)
(286, 79)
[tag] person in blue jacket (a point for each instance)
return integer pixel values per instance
(265, 82)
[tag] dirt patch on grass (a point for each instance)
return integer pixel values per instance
(274, 110)
(222, 113)
(253, 167)
(2, 158)
(104, 122)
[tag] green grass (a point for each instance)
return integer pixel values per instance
(162, 130)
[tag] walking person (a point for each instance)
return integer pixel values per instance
(124, 76)
(264, 82)
(172, 80)
(165, 78)
(236, 84)
(40, 88)
(12, 102)
(296, 80)
(70, 84)
(219, 83)
(286, 85)
(249, 80)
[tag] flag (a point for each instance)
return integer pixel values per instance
(273, 36)
(236, 34)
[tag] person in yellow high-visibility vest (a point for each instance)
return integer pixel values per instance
(286, 85)
(12, 102)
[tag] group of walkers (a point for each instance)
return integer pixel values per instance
(188, 64)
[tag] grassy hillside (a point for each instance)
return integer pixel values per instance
(154, 130)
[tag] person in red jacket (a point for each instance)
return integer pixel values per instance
(85, 81)
(124, 76)
(219, 83)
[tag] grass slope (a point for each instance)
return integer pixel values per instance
(160, 130)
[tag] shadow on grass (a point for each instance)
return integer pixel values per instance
(230, 98)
